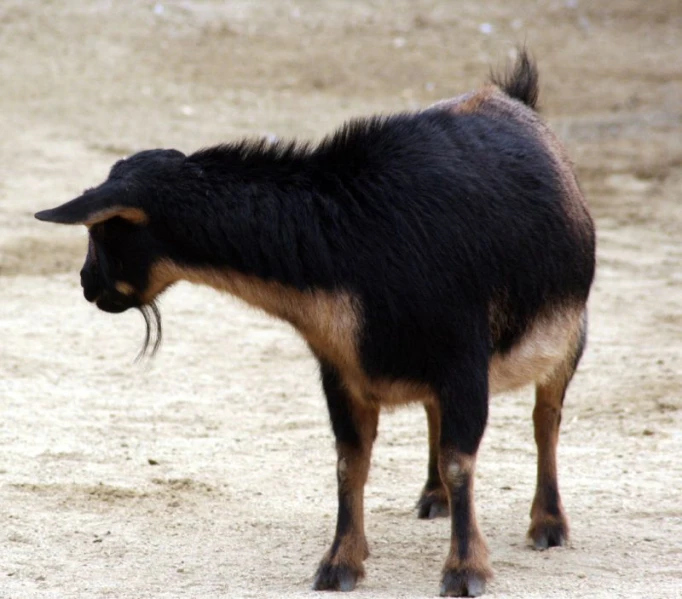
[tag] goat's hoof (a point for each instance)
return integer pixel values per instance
(336, 577)
(548, 532)
(433, 504)
(462, 583)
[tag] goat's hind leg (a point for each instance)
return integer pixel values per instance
(464, 411)
(433, 502)
(549, 525)
(355, 425)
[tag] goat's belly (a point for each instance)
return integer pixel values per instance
(387, 393)
(547, 346)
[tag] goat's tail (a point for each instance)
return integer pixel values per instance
(520, 81)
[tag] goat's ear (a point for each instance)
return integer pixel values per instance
(91, 208)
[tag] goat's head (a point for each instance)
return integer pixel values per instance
(123, 245)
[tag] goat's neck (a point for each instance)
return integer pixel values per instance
(259, 228)
(268, 244)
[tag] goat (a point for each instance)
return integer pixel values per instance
(435, 256)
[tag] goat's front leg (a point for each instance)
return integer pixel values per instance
(464, 410)
(355, 426)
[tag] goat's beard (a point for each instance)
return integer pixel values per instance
(154, 332)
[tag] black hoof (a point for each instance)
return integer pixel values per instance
(331, 577)
(462, 583)
(546, 535)
(433, 504)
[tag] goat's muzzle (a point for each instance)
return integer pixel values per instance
(113, 305)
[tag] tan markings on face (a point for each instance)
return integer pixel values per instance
(549, 344)
(124, 288)
(134, 215)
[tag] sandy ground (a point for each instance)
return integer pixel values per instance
(209, 472)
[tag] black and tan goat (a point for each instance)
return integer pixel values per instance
(436, 256)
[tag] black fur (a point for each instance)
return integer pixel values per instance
(339, 406)
(521, 81)
(111, 246)
(432, 221)
(461, 507)
(426, 217)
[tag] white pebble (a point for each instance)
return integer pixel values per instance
(485, 28)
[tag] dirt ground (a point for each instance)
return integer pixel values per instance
(209, 472)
